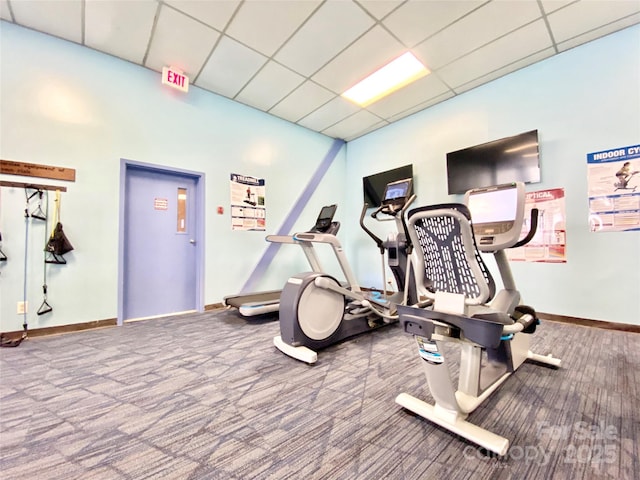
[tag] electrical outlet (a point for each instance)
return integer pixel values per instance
(22, 308)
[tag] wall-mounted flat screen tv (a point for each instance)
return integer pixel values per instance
(511, 159)
(374, 185)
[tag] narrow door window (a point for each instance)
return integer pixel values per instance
(182, 210)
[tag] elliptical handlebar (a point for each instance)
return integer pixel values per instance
(369, 232)
(533, 228)
(404, 223)
(390, 210)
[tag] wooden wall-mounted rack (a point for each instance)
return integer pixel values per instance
(34, 186)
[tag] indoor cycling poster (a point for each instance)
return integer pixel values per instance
(614, 189)
(247, 203)
(549, 243)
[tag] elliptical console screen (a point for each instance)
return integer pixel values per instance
(397, 191)
(325, 218)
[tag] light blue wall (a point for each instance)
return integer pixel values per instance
(70, 106)
(581, 101)
(65, 105)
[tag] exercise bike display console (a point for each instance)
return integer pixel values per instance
(493, 330)
(317, 310)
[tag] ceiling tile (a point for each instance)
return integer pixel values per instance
(214, 13)
(5, 13)
(380, 8)
(546, 53)
(265, 25)
(328, 114)
(580, 17)
(553, 5)
(373, 50)
(122, 29)
(352, 125)
(330, 30)
(599, 32)
(504, 51)
(305, 99)
(417, 92)
(180, 42)
(62, 19)
(366, 130)
(269, 86)
(415, 21)
(229, 68)
(421, 106)
(476, 29)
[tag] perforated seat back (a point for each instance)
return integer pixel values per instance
(446, 250)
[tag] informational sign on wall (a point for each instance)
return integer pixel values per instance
(549, 243)
(614, 189)
(248, 211)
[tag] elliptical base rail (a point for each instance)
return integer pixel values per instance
(301, 353)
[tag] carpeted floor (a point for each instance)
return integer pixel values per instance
(207, 396)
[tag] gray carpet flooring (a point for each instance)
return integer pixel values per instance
(207, 396)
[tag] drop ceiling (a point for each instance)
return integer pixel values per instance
(293, 58)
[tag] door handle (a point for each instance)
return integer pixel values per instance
(192, 241)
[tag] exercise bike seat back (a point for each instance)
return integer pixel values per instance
(447, 254)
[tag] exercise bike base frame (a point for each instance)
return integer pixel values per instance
(452, 406)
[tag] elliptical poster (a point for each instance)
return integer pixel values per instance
(549, 243)
(248, 211)
(614, 189)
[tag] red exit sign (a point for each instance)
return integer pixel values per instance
(175, 78)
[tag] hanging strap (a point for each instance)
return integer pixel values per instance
(45, 307)
(38, 213)
(56, 212)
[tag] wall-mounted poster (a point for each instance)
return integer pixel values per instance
(247, 203)
(549, 243)
(614, 189)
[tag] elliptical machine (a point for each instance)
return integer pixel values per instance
(317, 311)
(493, 331)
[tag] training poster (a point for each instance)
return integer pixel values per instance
(247, 203)
(614, 189)
(549, 243)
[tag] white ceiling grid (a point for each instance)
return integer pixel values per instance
(293, 58)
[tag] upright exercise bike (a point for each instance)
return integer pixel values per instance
(493, 331)
(316, 310)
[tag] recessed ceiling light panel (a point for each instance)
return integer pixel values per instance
(396, 74)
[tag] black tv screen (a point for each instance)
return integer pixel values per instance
(510, 159)
(374, 185)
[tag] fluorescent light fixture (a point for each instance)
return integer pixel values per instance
(393, 76)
